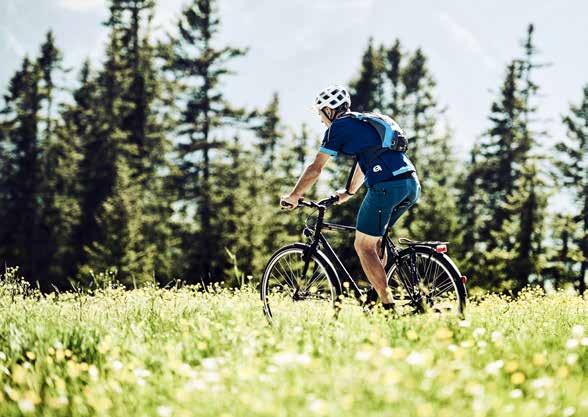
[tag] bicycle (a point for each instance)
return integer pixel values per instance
(421, 276)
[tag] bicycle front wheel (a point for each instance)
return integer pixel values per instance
(296, 288)
(423, 280)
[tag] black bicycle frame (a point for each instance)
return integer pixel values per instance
(320, 239)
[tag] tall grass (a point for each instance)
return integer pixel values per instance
(180, 352)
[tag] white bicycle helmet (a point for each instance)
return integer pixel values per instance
(332, 97)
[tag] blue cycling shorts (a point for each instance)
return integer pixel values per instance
(385, 202)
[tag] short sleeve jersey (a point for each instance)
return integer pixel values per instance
(352, 137)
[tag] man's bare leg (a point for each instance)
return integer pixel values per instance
(367, 248)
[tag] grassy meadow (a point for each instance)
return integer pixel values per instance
(180, 352)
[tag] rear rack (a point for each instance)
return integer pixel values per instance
(432, 243)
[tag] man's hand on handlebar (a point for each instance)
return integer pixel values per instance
(289, 202)
(343, 196)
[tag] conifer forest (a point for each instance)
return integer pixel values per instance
(137, 168)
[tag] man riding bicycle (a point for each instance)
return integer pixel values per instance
(391, 178)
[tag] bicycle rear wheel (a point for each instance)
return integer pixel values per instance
(286, 292)
(424, 280)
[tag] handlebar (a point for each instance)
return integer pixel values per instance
(324, 204)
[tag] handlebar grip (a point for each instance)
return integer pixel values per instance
(327, 202)
(284, 204)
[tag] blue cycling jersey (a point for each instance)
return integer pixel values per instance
(350, 136)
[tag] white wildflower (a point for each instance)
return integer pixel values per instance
(431, 373)
(584, 341)
(572, 358)
(543, 382)
(303, 359)
(164, 411)
(572, 344)
(496, 337)
(210, 363)
(479, 332)
(26, 406)
(415, 358)
(93, 372)
(569, 411)
(117, 365)
(578, 331)
(493, 368)
(194, 385)
(516, 393)
(386, 351)
(211, 377)
(464, 323)
(290, 358)
(142, 373)
(317, 406)
(2, 356)
(363, 355)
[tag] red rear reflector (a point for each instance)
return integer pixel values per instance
(464, 279)
(441, 248)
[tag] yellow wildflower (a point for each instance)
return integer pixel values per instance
(539, 359)
(19, 374)
(412, 335)
(511, 366)
(517, 378)
(443, 334)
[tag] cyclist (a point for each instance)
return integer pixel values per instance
(392, 182)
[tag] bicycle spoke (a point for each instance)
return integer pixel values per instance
(433, 289)
(313, 278)
(293, 274)
(440, 290)
(287, 279)
(435, 274)
(281, 272)
(288, 293)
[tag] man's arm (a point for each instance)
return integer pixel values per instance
(310, 175)
(353, 185)
(356, 181)
(306, 180)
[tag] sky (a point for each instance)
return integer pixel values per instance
(297, 47)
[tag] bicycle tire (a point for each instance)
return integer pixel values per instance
(445, 270)
(320, 260)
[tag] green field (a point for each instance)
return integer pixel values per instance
(153, 352)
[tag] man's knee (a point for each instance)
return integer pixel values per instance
(364, 245)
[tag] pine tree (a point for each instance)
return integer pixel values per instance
(500, 154)
(530, 255)
(508, 251)
(194, 57)
(393, 68)
(90, 123)
(421, 108)
(471, 207)
(125, 145)
(49, 61)
(268, 132)
(564, 256)
(572, 163)
(367, 89)
(430, 151)
(59, 211)
(19, 236)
